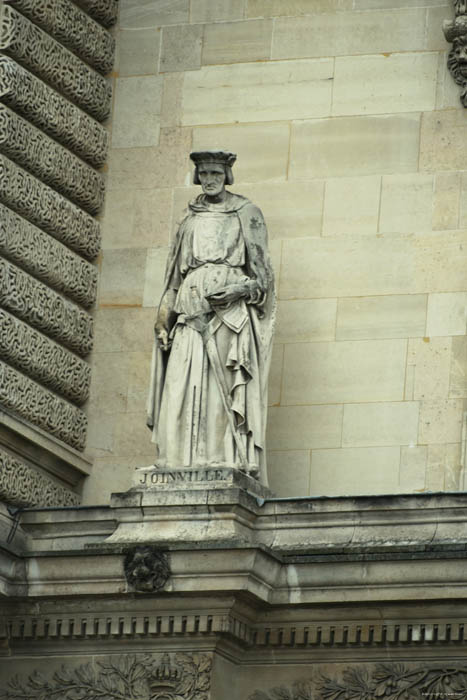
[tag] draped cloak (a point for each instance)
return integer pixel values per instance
(215, 245)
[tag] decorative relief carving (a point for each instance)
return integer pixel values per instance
(47, 259)
(394, 681)
(105, 11)
(43, 359)
(41, 407)
(72, 28)
(23, 486)
(146, 569)
(49, 111)
(38, 52)
(173, 677)
(37, 304)
(47, 209)
(51, 163)
(455, 32)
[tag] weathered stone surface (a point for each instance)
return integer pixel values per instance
(72, 28)
(237, 41)
(157, 13)
(22, 485)
(50, 162)
(49, 210)
(44, 360)
(351, 206)
(181, 48)
(46, 258)
(393, 316)
(105, 11)
(41, 407)
(48, 110)
(137, 108)
(380, 424)
(34, 302)
(38, 52)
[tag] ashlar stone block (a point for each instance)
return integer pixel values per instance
(361, 151)
(154, 276)
(458, 372)
(406, 203)
(136, 119)
(348, 371)
(380, 424)
(431, 358)
(443, 140)
(278, 8)
(447, 314)
(446, 198)
(385, 83)
(259, 92)
(304, 427)
(230, 42)
(181, 48)
(413, 468)
(216, 10)
(351, 206)
(138, 51)
(289, 473)
(157, 13)
(441, 421)
(305, 320)
(394, 316)
(122, 277)
(137, 218)
(440, 261)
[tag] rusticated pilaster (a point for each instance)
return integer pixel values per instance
(73, 28)
(31, 401)
(22, 485)
(38, 52)
(51, 163)
(49, 210)
(49, 111)
(43, 359)
(47, 259)
(40, 306)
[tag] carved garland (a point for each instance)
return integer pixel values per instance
(23, 486)
(47, 259)
(455, 32)
(53, 164)
(52, 113)
(37, 405)
(44, 309)
(388, 681)
(43, 359)
(175, 677)
(72, 28)
(47, 209)
(45, 57)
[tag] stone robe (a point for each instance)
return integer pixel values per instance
(216, 245)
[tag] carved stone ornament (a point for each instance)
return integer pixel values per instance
(170, 677)
(105, 11)
(391, 681)
(146, 569)
(455, 32)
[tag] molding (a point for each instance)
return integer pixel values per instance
(53, 164)
(73, 28)
(41, 407)
(23, 485)
(44, 360)
(104, 11)
(46, 258)
(47, 58)
(34, 302)
(47, 209)
(52, 113)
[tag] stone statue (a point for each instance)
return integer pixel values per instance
(208, 395)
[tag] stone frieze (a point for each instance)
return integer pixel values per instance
(72, 28)
(42, 359)
(49, 312)
(24, 486)
(46, 208)
(47, 259)
(47, 58)
(53, 164)
(28, 399)
(52, 113)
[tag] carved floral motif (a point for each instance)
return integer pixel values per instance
(44, 309)
(146, 569)
(47, 209)
(72, 28)
(50, 162)
(48, 110)
(38, 52)
(41, 407)
(47, 259)
(174, 677)
(43, 359)
(25, 487)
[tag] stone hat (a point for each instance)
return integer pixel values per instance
(225, 158)
(222, 157)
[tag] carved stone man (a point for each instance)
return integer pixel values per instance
(208, 394)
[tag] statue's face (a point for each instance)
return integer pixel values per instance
(212, 178)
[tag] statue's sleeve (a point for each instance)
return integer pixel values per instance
(258, 264)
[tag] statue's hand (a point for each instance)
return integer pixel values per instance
(163, 338)
(227, 295)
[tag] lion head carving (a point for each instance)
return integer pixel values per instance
(146, 569)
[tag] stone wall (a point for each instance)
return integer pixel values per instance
(351, 138)
(53, 96)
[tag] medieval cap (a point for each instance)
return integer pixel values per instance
(225, 158)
